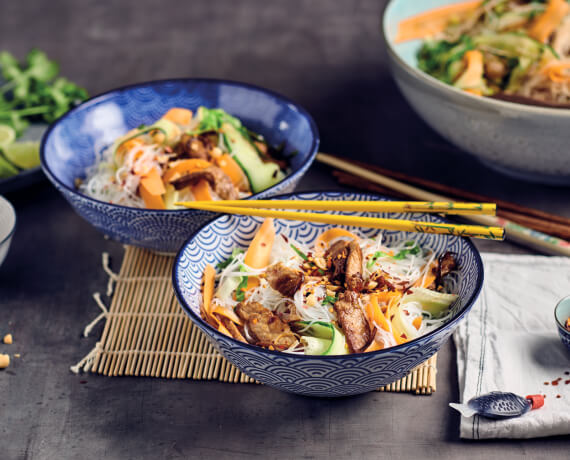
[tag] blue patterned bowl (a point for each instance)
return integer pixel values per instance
(561, 314)
(71, 142)
(317, 375)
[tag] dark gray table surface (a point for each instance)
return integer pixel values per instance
(327, 55)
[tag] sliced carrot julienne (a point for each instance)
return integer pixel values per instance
(257, 255)
(543, 26)
(252, 283)
(224, 330)
(184, 167)
(233, 330)
(151, 188)
(417, 322)
(434, 21)
(227, 164)
(323, 240)
(201, 191)
(208, 294)
(151, 201)
(470, 80)
(226, 313)
(178, 115)
(558, 72)
(152, 183)
(375, 315)
(128, 145)
(374, 346)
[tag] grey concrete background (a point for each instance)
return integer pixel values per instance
(328, 56)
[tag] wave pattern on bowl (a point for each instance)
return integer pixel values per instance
(309, 375)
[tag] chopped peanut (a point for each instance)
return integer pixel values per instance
(8, 339)
(4, 361)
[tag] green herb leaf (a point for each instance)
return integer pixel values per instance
(374, 258)
(329, 300)
(240, 290)
(230, 259)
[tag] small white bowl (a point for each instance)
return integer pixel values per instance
(7, 226)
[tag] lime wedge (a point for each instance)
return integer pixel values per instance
(25, 155)
(7, 135)
(7, 169)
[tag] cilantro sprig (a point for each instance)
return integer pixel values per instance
(34, 91)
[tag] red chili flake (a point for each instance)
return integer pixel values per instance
(263, 245)
(567, 382)
(285, 238)
(547, 383)
(407, 312)
(558, 396)
(403, 336)
(554, 383)
(392, 317)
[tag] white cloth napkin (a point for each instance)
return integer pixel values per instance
(509, 342)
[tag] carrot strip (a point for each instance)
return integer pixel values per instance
(323, 240)
(232, 329)
(224, 330)
(434, 21)
(471, 78)
(151, 201)
(417, 322)
(151, 188)
(374, 346)
(201, 191)
(544, 25)
(227, 313)
(208, 294)
(257, 255)
(558, 72)
(375, 315)
(184, 167)
(227, 164)
(178, 115)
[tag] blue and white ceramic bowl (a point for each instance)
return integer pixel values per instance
(71, 143)
(561, 314)
(317, 375)
(524, 141)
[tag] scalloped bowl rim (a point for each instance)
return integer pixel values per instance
(437, 84)
(102, 96)
(197, 319)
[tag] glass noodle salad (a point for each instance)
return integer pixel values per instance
(184, 156)
(518, 50)
(343, 294)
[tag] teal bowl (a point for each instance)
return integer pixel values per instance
(523, 141)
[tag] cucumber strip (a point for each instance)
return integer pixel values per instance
(434, 302)
(319, 329)
(338, 344)
(315, 345)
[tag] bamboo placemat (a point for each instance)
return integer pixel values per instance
(147, 333)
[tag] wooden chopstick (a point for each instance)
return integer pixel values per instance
(540, 224)
(473, 231)
(518, 233)
(460, 194)
(445, 207)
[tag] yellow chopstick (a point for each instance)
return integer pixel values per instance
(473, 231)
(441, 207)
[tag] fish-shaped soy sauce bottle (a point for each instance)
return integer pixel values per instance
(499, 405)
